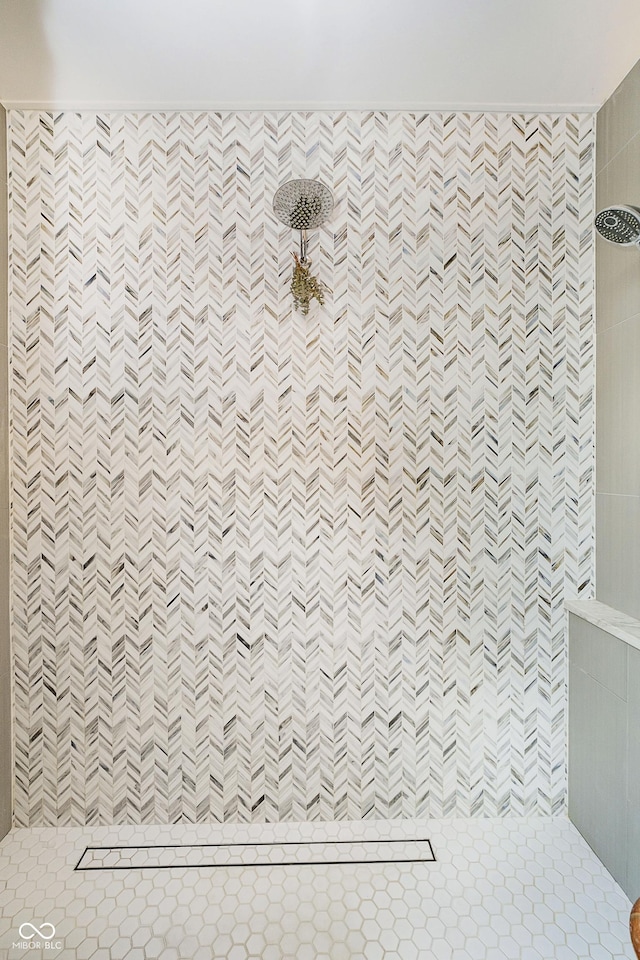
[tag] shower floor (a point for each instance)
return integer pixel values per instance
(507, 889)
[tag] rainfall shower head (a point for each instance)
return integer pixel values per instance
(303, 204)
(619, 224)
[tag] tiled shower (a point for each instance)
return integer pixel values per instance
(287, 592)
(269, 567)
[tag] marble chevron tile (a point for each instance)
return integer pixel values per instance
(268, 567)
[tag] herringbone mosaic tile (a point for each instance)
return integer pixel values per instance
(269, 567)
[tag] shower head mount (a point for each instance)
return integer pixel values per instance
(619, 224)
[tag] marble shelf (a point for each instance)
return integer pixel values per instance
(612, 621)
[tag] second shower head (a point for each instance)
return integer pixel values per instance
(619, 224)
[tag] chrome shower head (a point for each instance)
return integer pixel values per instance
(619, 224)
(303, 204)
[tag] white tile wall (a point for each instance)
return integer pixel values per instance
(268, 567)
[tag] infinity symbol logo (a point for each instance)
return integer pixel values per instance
(43, 932)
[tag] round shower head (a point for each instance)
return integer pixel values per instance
(620, 224)
(303, 204)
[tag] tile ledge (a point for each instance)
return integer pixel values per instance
(609, 619)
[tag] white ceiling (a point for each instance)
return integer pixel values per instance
(238, 54)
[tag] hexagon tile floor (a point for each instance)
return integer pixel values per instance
(509, 889)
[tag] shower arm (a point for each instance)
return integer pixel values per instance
(303, 246)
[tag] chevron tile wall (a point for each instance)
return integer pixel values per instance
(271, 567)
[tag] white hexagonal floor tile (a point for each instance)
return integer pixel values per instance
(521, 888)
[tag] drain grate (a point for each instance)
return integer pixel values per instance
(255, 854)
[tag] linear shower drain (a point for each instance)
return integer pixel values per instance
(255, 854)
